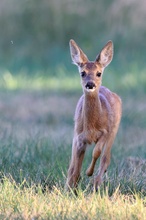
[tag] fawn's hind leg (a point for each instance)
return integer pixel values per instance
(96, 154)
(106, 154)
(104, 161)
(78, 152)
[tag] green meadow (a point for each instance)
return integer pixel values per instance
(39, 90)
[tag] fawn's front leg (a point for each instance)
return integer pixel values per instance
(78, 152)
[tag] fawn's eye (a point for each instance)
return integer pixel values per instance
(83, 74)
(98, 74)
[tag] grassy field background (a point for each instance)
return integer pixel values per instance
(39, 89)
(36, 133)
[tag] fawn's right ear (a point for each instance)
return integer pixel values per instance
(77, 55)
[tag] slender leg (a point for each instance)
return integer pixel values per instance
(105, 161)
(78, 152)
(96, 154)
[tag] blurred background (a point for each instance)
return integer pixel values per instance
(39, 87)
(35, 34)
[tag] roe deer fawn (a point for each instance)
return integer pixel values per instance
(97, 115)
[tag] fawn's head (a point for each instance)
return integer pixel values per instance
(91, 72)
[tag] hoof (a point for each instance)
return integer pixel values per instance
(95, 189)
(97, 183)
(89, 172)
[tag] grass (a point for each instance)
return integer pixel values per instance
(36, 128)
(32, 203)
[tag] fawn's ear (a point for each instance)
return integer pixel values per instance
(77, 55)
(106, 54)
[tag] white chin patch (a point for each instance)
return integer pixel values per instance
(90, 90)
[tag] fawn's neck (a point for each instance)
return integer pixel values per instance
(92, 110)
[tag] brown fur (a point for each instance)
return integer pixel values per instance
(97, 116)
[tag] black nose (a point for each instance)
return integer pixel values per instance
(90, 85)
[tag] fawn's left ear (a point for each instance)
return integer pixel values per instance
(106, 55)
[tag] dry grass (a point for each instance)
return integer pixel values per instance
(26, 203)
